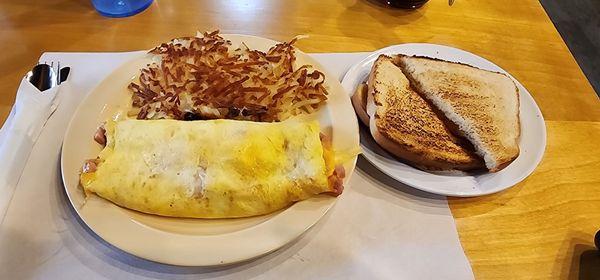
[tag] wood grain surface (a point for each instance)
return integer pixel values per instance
(544, 227)
(539, 229)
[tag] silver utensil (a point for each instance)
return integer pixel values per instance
(63, 73)
(44, 76)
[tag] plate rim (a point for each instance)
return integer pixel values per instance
(393, 49)
(266, 249)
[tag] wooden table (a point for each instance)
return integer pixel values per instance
(541, 228)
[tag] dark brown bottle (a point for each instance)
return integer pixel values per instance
(404, 4)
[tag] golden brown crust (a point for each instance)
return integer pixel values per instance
(423, 159)
(407, 126)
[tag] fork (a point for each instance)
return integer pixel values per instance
(59, 72)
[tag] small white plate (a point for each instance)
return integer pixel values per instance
(194, 242)
(532, 142)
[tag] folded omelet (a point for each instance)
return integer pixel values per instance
(210, 169)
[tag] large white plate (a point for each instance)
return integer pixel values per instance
(193, 242)
(532, 142)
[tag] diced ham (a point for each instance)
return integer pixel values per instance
(100, 136)
(336, 180)
(89, 166)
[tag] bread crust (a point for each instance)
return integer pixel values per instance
(359, 102)
(420, 158)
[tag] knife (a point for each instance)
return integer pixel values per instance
(63, 74)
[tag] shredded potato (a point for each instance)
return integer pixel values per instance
(204, 77)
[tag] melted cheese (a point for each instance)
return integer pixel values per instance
(209, 169)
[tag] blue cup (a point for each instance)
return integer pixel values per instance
(120, 8)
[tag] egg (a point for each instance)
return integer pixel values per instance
(210, 168)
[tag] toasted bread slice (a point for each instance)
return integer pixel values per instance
(405, 124)
(483, 105)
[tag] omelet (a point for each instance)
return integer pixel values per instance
(211, 168)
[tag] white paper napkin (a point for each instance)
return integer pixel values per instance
(18, 134)
(379, 229)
